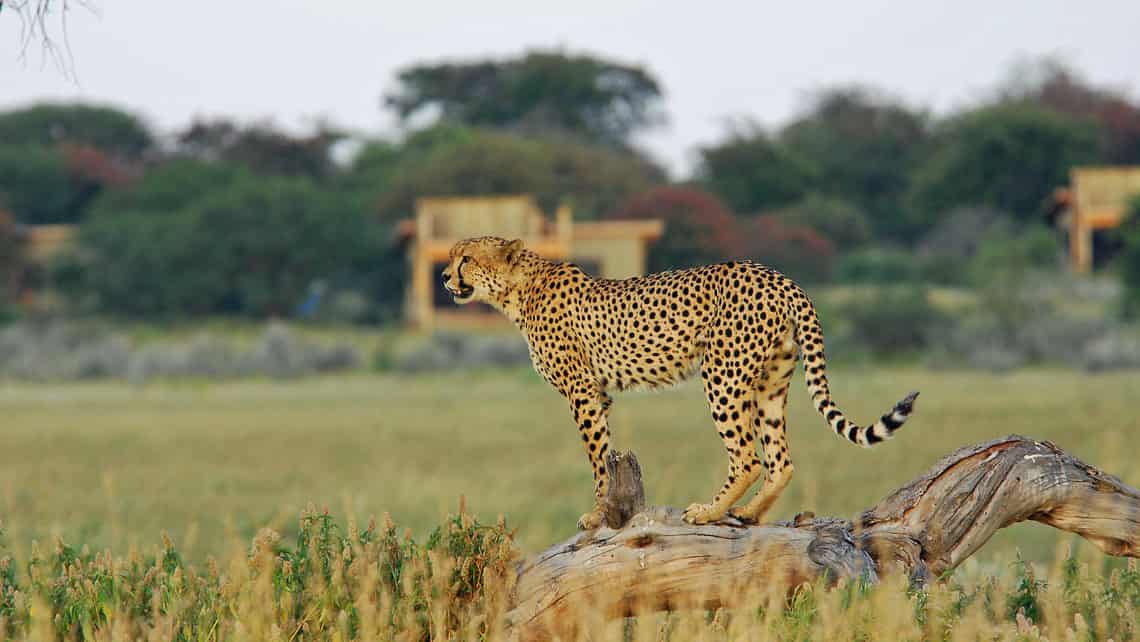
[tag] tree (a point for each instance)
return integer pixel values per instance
(11, 258)
(844, 224)
(1129, 261)
(1007, 157)
(261, 147)
(1051, 84)
(251, 247)
(594, 180)
(169, 187)
(699, 228)
(599, 100)
(862, 144)
(38, 187)
(753, 173)
(40, 19)
(798, 251)
(115, 132)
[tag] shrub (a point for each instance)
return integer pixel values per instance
(893, 321)
(1008, 157)
(800, 252)
(843, 223)
(879, 265)
(699, 229)
(57, 350)
(451, 351)
(11, 257)
(1129, 262)
(252, 247)
(595, 180)
(752, 172)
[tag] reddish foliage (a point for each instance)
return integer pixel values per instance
(699, 228)
(800, 252)
(95, 166)
(1068, 94)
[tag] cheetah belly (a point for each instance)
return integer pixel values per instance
(649, 348)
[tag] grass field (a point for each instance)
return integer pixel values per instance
(112, 466)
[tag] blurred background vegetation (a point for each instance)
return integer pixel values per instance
(920, 235)
(232, 250)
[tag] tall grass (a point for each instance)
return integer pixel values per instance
(334, 582)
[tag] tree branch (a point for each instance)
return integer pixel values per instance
(655, 561)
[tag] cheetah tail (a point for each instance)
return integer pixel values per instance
(809, 336)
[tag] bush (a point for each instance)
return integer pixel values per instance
(1128, 262)
(699, 229)
(880, 265)
(893, 321)
(1007, 157)
(844, 224)
(38, 187)
(451, 351)
(800, 252)
(60, 351)
(753, 173)
(595, 180)
(252, 247)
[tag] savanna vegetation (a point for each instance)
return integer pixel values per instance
(139, 511)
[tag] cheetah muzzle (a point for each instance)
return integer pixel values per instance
(742, 325)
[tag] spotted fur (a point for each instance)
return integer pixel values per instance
(742, 325)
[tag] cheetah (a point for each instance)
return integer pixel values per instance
(742, 325)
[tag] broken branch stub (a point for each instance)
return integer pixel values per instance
(650, 560)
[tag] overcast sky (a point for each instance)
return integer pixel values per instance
(294, 61)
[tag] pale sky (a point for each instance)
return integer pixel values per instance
(294, 61)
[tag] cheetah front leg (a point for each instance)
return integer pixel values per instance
(591, 408)
(730, 399)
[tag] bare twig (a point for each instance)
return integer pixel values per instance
(46, 22)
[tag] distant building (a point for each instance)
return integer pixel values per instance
(607, 249)
(1097, 199)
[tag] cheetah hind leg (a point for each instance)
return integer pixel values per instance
(772, 400)
(732, 413)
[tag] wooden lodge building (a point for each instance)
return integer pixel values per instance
(608, 249)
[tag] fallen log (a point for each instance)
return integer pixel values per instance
(646, 560)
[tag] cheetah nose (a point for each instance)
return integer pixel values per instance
(446, 276)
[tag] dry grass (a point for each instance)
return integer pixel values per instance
(112, 466)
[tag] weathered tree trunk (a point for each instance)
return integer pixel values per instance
(654, 561)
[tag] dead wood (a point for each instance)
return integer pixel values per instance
(647, 560)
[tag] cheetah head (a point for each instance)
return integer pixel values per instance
(481, 269)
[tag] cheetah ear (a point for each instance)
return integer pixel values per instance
(511, 251)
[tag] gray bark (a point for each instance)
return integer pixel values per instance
(647, 560)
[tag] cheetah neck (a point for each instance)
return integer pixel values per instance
(511, 298)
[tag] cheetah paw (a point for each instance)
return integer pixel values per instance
(591, 520)
(741, 513)
(701, 514)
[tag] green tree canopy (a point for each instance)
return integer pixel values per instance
(168, 187)
(39, 186)
(545, 91)
(699, 228)
(252, 247)
(1008, 157)
(261, 147)
(862, 144)
(754, 173)
(842, 223)
(593, 179)
(111, 130)
(1052, 84)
